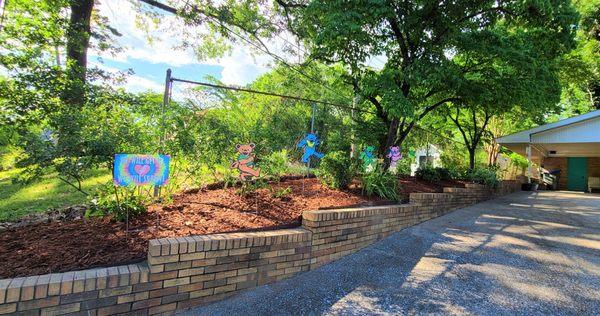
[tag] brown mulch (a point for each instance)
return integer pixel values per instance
(74, 244)
(69, 245)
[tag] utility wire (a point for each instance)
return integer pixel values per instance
(240, 89)
(218, 86)
(173, 10)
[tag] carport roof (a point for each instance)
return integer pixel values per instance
(572, 137)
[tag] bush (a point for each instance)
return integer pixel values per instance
(456, 172)
(428, 173)
(486, 176)
(8, 157)
(431, 174)
(443, 173)
(275, 164)
(120, 205)
(336, 170)
(248, 188)
(382, 184)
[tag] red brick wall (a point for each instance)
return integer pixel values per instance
(594, 167)
(553, 163)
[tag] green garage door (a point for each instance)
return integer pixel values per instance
(577, 174)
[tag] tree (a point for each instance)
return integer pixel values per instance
(580, 69)
(526, 83)
(49, 97)
(78, 42)
(422, 40)
(419, 40)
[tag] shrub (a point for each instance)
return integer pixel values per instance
(248, 188)
(403, 166)
(280, 193)
(431, 174)
(120, 205)
(486, 176)
(456, 172)
(336, 170)
(275, 164)
(428, 173)
(382, 184)
(443, 173)
(8, 157)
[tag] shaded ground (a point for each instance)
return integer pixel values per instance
(78, 244)
(526, 254)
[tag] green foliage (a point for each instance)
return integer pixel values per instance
(280, 193)
(486, 176)
(49, 192)
(428, 173)
(431, 174)
(247, 189)
(518, 160)
(119, 203)
(275, 164)
(9, 155)
(403, 166)
(336, 170)
(382, 184)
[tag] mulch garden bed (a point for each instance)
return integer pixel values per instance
(75, 244)
(71, 243)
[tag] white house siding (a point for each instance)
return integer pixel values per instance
(587, 131)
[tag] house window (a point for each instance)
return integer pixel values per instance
(425, 160)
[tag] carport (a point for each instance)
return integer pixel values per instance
(571, 147)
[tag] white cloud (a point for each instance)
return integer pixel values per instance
(141, 84)
(133, 83)
(136, 41)
(239, 67)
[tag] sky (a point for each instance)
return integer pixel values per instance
(150, 60)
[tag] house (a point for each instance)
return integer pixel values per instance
(570, 148)
(427, 155)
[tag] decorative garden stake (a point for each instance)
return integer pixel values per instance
(310, 143)
(395, 155)
(368, 158)
(141, 170)
(245, 162)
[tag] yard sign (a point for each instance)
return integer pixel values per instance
(141, 169)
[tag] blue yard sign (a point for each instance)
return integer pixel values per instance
(138, 170)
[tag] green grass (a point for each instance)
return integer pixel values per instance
(17, 200)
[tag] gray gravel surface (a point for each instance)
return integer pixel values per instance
(522, 254)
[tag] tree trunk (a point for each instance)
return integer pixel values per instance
(472, 157)
(390, 140)
(78, 41)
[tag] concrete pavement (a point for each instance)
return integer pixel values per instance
(528, 253)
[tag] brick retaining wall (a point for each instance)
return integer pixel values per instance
(189, 271)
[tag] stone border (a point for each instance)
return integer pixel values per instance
(183, 272)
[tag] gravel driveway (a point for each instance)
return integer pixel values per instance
(525, 253)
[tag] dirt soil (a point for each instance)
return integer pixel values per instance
(69, 245)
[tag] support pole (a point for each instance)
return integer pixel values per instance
(529, 172)
(166, 101)
(352, 130)
(312, 119)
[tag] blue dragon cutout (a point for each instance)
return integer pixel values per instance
(310, 143)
